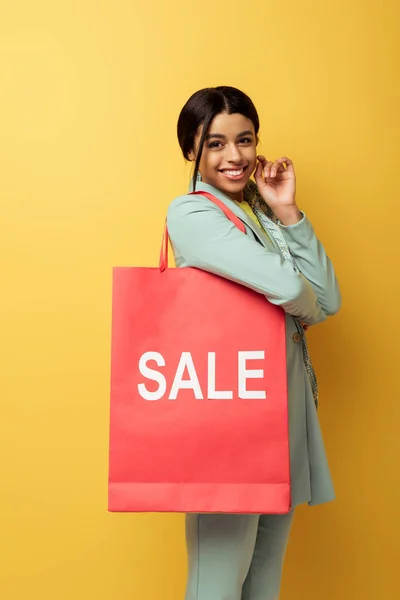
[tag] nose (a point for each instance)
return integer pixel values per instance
(233, 154)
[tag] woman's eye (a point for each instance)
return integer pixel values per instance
(217, 144)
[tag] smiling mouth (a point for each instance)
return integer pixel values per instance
(234, 174)
(234, 171)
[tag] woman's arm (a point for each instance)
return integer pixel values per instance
(313, 263)
(206, 239)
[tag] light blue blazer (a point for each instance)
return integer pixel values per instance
(202, 236)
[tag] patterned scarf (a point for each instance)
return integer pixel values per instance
(270, 224)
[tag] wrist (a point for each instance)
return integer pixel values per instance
(289, 215)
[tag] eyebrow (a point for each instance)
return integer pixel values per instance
(220, 135)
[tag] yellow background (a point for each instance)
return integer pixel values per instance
(89, 97)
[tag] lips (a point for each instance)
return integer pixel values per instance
(236, 169)
(234, 174)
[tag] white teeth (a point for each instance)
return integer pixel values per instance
(234, 172)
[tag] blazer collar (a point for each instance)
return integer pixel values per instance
(258, 232)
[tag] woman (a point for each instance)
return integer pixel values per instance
(238, 556)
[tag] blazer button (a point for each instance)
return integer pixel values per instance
(297, 337)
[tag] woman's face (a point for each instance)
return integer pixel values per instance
(229, 154)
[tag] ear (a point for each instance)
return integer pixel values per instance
(191, 156)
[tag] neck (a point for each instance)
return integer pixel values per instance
(238, 196)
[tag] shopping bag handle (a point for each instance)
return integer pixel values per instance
(227, 211)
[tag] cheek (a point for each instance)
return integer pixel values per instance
(210, 161)
(251, 157)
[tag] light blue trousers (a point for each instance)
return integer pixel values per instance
(236, 556)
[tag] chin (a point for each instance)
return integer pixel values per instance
(236, 186)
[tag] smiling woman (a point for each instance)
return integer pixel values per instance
(227, 158)
(220, 135)
(244, 139)
(240, 556)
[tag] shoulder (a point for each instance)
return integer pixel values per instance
(193, 218)
(187, 205)
(187, 201)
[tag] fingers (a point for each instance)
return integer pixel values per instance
(270, 168)
(278, 165)
(263, 169)
(266, 165)
(258, 174)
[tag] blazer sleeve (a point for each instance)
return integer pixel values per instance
(314, 264)
(203, 236)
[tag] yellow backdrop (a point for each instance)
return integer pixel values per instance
(90, 94)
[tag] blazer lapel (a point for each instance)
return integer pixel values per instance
(258, 232)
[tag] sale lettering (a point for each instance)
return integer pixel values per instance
(192, 383)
